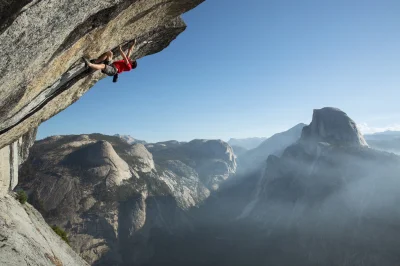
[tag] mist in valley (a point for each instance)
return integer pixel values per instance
(330, 206)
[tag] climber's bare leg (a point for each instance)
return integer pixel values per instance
(106, 56)
(96, 66)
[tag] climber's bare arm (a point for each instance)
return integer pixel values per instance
(124, 55)
(131, 48)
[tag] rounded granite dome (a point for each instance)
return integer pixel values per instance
(145, 162)
(333, 126)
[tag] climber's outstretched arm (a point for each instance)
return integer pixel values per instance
(124, 55)
(131, 48)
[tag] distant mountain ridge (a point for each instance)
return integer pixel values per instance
(129, 139)
(275, 145)
(386, 141)
(382, 135)
(239, 150)
(386, 133)
(247, 143)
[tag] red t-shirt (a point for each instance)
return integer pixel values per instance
(122, 66)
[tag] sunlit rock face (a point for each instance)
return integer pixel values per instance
(26, 239)
(215, 161)
(11, 157)
(42, 43)
(114, 198)
(145, 158)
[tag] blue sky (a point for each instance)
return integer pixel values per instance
(253, 68)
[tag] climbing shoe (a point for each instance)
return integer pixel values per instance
(115, 78)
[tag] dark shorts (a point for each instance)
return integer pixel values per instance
(110, 69)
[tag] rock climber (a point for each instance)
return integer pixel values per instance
(105, 64)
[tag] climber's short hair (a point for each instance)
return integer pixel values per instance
(134, 64)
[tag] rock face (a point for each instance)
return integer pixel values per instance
(214, 160)
(99, 159)
(26, 239)
(11, 157)
(43, 41)
(144, 157)
(115, 199)
(333, 126)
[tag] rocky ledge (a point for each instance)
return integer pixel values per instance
(43, 41)
(26, 239)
